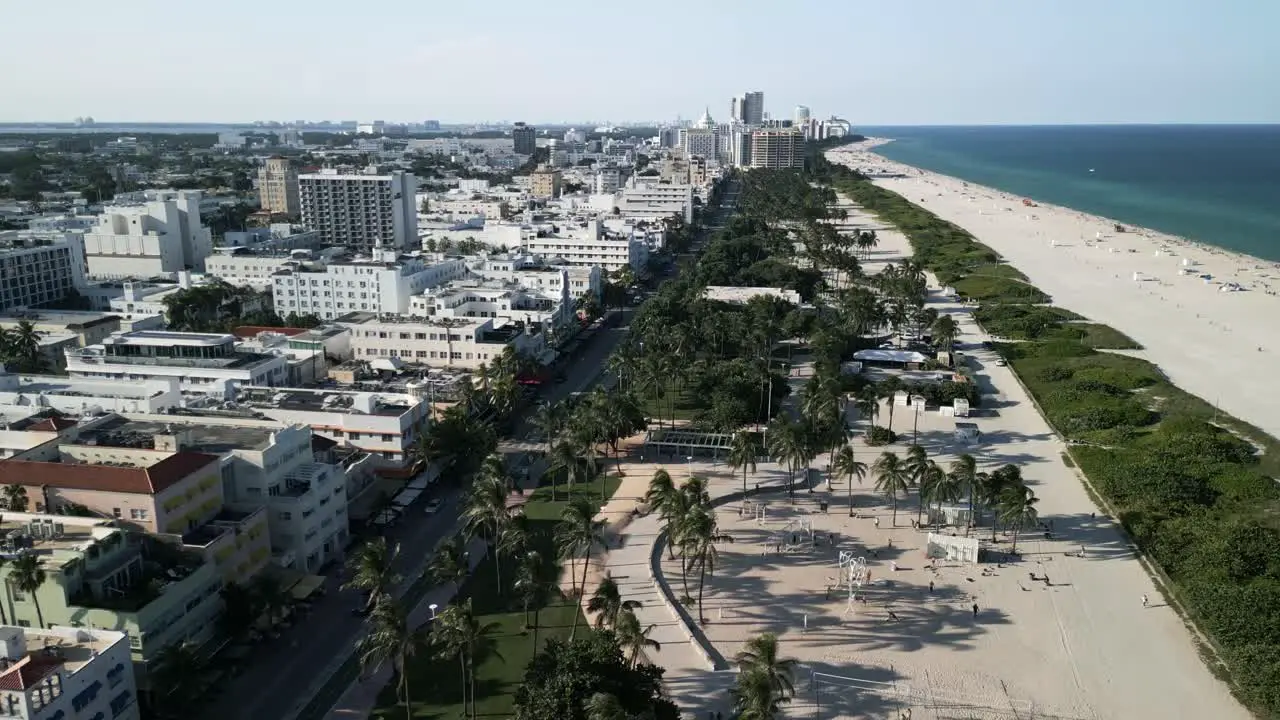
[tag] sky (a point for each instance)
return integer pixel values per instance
(908, 62)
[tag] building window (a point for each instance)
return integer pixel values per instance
(116, 512)
(135, 514)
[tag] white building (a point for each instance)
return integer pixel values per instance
(361, 285)
(270, 463)
(589, 245)
(66, 673)
(533, 273)
(203, 363)
(608, 180)
(650, 201)
(497, 299)
(82, 396)
(386, 424)
(360, 211)
(41, 270)
(161, 236)
(255, 270)
(463, 343)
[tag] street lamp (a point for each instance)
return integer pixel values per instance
(432, 607)
(689, 465)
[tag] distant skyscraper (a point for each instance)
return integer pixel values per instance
(524, 139)
(753, 108)
(778, 149)
(278, 187)
(802, 115)
(735, 109)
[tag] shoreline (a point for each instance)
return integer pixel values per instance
(1200, 312)
(868, 145)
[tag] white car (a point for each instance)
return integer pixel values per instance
(1001, 363)
(433, 506)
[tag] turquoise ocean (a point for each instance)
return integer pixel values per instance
(1216, 184)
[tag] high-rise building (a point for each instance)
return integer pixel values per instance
(45, 269)
(801, 116)
(360, 211)
(777, 149)
(278, 186)
(735, 109)
(545, 183)
(753, 108)
(524, 139)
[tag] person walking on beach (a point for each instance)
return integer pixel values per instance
(975, 611)
(1144, 601)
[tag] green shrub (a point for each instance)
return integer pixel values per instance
(881, 436)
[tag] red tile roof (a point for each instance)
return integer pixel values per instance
(245, 332)
(105, 478)
(28, 672)
(53, 424)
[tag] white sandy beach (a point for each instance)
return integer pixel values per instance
(1202, 334)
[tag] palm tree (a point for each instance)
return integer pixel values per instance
(15, 498)
(991, 490)
(549, 421)
(458, 634)
(932, 486)
(603, 706)
(371, 569)
(892, 478)
(608, 603)
(576, 534)
(390, 639)
(965, 471)
(564, 459)
(786, 444)
(1018, 509)
(449, 563)
(743, 453)
(23, 344)
(761, 655)
(660, 497)
(485, 514)
(271, 597)
(945, 487)
(754, 697)
(887, 389)
(176, 679)
(632, 638)
(532, 586)
(698, 542)
(868, 404)
(846, 463)
(27, 575)
(917, 463)
(944, 331)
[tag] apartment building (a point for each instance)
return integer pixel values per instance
(360, 211)
(586, 243)
(80, 396)
(607, 180)
(278, 187)
(240, 267)
(533, 273)
(40, 269)
(262, 464)
(779, 149)
(103, 577)
(70, 673)
(203, 363)
(651, 201)
(497, 299)
(701, 142)
(463, 207)
(464, 343)
(386, 424)
(157, 237)
(545, 183)
(370, 285)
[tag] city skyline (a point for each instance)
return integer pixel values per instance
(929, 64)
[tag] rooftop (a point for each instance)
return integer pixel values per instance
(48, 649)
(120, 431)
(166, 338)
(119, 478)
(328, 401)
(55, 538)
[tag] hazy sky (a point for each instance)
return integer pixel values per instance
(873, 63)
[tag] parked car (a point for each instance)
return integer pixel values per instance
(1001, 363)
(433, 506)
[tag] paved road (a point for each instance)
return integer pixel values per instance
(285, 672)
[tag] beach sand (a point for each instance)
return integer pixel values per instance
(1148, 285)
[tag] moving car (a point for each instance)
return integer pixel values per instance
(433, 506)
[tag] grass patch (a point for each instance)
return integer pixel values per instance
(1021, 321)
(436, 685)
(687, 405)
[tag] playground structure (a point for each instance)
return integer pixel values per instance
(757, 509)
(795, 535)
(853, 575)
